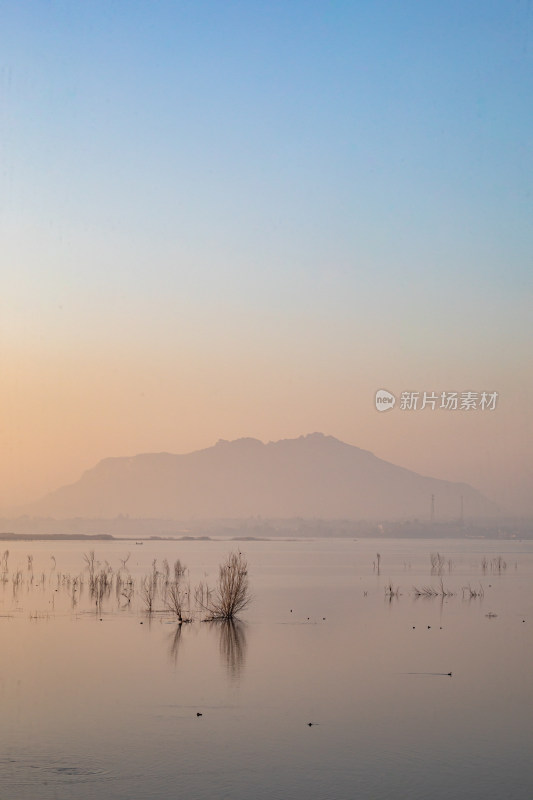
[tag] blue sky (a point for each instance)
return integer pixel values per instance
(264, 181)
(393, 136)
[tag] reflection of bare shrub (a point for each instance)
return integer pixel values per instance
(232, 593)
(232, 643)
(175, 641)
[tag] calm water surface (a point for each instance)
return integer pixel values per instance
(94, 704)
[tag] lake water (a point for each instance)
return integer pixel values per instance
(96, 704)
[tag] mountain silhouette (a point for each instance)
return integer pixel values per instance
(311, 476)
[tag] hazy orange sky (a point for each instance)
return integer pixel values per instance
(228, 220)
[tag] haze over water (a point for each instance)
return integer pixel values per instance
(96, 704)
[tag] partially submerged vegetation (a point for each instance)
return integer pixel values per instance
(164, 590)
(431, 591)
(497, 564)
(391, 591)
(225, 601)
(232, 593)
(439, 563)
(473, 593)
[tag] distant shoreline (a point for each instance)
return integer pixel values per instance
(105, 537)
(490, 535)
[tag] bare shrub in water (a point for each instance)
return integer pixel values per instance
(179, 569)
(232, 593)
(89, 559)
(430, 591)
(126, 588)
(437, 562)
(124, 561)
(100, 588)
(424, 591)
(175, 599)
(498, 564)
(471, 593)
(202, 593)
(149, 591)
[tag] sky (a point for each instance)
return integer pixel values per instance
(226, 219)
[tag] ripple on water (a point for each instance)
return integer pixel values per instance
(29, 772)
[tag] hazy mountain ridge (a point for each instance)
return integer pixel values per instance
(311, 476)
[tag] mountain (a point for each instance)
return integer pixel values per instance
(312, 476)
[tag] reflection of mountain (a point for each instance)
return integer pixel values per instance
(312, 476)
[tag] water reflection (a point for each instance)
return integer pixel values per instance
(175, 642)
(232, 645)
(153, 744)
